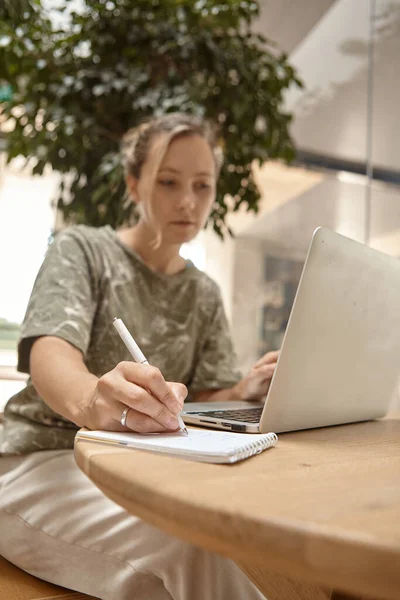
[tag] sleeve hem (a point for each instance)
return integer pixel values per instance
(25, 345)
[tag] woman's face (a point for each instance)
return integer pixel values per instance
(184, 188)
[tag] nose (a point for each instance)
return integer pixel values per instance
(187, 200)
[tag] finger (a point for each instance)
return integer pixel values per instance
(180, 390)
(270, 357)
(264, 372)
(140, 400)
(139, 422)
(260, 381)
(150, 378)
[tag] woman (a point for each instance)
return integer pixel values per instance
(54, 522)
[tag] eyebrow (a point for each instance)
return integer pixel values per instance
(172, 170)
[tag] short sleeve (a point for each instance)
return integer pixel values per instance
(215, 367)
(62, 301)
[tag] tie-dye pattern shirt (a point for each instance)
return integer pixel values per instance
(89, 277)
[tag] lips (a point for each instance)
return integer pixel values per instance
(187, 223)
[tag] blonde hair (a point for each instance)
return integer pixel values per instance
(156, 134)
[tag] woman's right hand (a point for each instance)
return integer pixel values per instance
(153, 402)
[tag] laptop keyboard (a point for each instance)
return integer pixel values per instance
(247, 415)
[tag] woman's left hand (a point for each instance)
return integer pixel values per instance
(256, 383)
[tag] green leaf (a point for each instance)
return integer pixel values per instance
(115, 63)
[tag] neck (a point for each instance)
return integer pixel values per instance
(163, 259)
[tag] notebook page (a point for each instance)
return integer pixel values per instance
(205, 442)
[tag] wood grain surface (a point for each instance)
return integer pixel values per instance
(322, 507)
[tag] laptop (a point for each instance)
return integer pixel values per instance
(340, 356)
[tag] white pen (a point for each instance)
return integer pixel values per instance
(138, 355)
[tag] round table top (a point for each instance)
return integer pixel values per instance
(323, 505)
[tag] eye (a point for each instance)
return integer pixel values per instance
(167, 182)
(202, 185)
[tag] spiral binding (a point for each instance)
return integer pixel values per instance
(257, 447)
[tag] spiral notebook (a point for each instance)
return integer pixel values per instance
(199, 445)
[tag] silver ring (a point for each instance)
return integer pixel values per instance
(124, 416)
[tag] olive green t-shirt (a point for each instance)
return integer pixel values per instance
(89, 277)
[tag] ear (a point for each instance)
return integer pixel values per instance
(132, 187)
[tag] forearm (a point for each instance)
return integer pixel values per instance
(61, 377)
(222, 395)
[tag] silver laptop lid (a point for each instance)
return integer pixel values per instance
(340, 357)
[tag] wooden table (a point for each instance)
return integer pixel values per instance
(319, 512)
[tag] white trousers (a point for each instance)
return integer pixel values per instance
(56, 525)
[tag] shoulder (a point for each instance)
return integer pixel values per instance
(83, 241)
(84, 234)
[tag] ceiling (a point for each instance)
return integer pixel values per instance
(333, 113)
(328, 43)
(287, 22)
